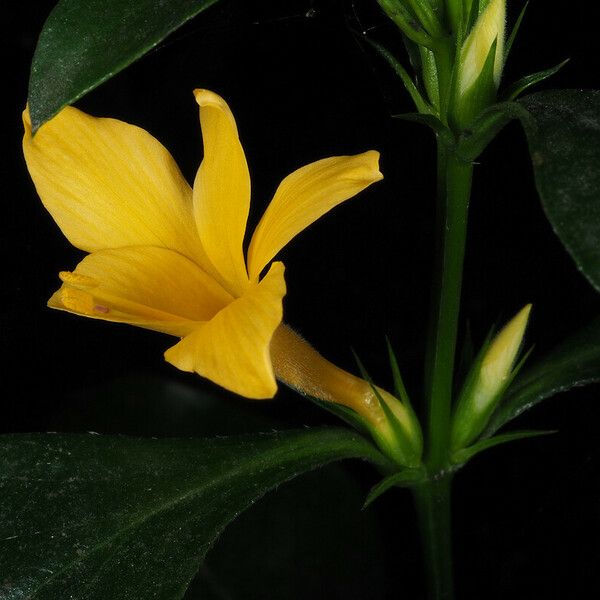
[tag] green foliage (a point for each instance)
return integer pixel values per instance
(573, 363)
(87, 516)
(563, 130)
(86, 42)
(311, 525)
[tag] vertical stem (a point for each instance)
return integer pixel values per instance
(454, 190)
(432, 501)
(432, 498)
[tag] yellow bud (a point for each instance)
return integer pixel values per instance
(487, 381)
(489, 28)
(498, 361)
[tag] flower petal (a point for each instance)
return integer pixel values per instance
(306, 195)
(108, 184)
(150, 287)
(233, 349)
(222, 190)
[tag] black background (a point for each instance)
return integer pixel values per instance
(303, 87)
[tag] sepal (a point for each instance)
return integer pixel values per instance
(523, 84)
(460, 457)
(474, 140)
(431, 121)
(404, 479)
(349, 416)
(406, 20)
(399, 434)
(428, 17)
(515, 31)
(419, 101)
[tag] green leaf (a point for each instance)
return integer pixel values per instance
(85, 42)
(519, 86)
(563, 130)
(313, 524)
(465, 454)
(575, 362)
(93, 517)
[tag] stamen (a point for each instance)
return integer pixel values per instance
(77, 280)
(77, 301)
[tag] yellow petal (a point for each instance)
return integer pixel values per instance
(145, 286)
(108, 184)
(306, 195)
(233, 348)
(222, 190)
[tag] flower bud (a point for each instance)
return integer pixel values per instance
(487, 381)
(489, 28)
(480, 63)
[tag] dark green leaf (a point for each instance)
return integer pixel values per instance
(92, 517)
(564, 141)
(86, 42)
(575, 362)
(466, 454)
(311, 525)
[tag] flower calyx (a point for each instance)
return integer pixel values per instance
(390, 421)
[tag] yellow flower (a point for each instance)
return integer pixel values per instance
(170, 258)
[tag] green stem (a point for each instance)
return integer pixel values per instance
(454, 190)
(444, 58)
(432, 501)
(432, 498)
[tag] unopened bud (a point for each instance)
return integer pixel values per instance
(488, 29)
(486, 382)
